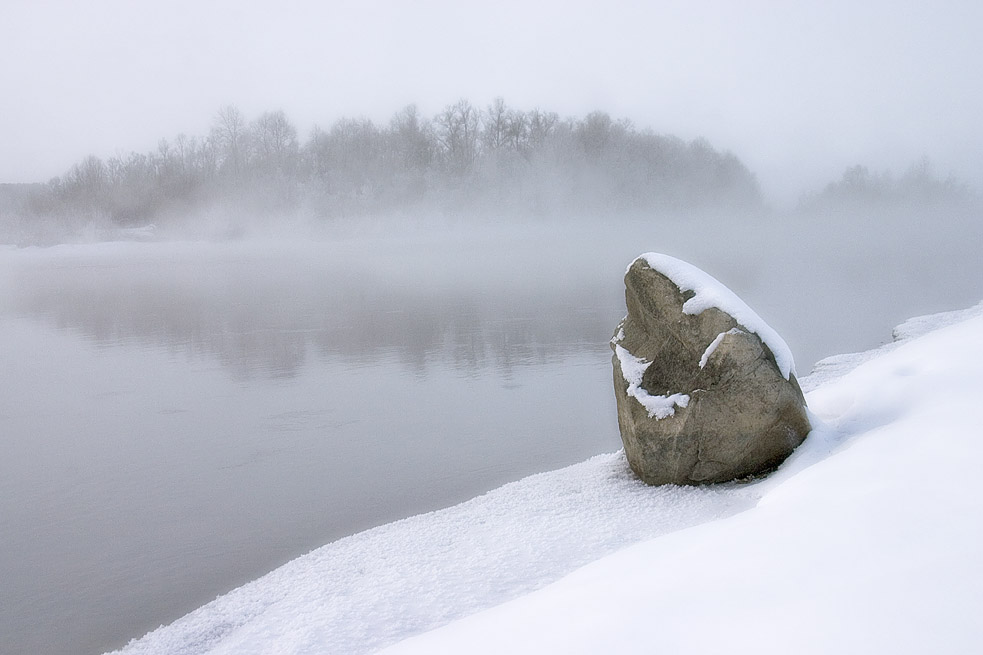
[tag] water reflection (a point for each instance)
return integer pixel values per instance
(268, 317)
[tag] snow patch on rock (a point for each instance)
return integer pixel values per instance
(716, 342)
(632, 369)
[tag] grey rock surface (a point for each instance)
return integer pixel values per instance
(700, 397)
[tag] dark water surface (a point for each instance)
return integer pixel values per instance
(178, 419)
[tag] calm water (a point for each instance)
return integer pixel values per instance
(178, 419)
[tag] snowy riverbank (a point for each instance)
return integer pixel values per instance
(866, 540)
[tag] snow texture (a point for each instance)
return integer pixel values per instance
(367, 591)
(867, 540)
(709, 292)
(836, 366)
(632, 369)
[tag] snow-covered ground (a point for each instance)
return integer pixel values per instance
(867, 540)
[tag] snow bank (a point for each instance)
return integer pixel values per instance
(709, 292)
(373, 589)
(832, 368)
(867, 541)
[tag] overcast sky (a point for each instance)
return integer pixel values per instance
(799, 91)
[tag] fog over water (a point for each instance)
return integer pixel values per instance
(230, 334)
(181, 417)
(191, 415)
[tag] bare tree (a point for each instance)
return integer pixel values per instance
(230, 137)
(541, 126)
(494, 121)
(457, 135)
(516, 131)
(275, 140)
(594, 132)
(410, 138)
(354, 149)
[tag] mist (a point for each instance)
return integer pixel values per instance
(509, 186)
(800, 92)
(268, 279)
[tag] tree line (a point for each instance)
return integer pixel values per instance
(498, 157)
(919, 186)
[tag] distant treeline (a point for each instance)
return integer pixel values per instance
(918, 187)
(497, 157)
(498, 163)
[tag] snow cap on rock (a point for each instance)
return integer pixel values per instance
(710, 292)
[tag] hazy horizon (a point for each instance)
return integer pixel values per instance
(797, 93)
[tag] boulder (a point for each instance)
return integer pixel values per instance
(706, 390)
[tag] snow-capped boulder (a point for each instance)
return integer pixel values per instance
(706, 390)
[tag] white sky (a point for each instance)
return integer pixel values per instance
(798, 90)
